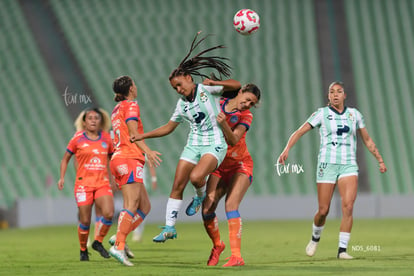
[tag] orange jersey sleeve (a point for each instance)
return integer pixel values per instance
(92, 157)
(122, 113)
(245, 118)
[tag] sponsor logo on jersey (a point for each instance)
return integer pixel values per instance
(122, 169)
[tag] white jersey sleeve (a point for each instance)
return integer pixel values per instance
(315, 120)
(359, 120)
(177, 115)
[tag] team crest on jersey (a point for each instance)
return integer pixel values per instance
(104, 145)
(234, 119)
(203, 97)
(351, 117)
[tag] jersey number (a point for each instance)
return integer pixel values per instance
(342, 129)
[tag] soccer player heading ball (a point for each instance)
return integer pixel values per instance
(206, 146)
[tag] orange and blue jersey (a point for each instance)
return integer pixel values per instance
(239, 151)
(92, 157)
(122, 113)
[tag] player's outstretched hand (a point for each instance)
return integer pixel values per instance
(153, 158)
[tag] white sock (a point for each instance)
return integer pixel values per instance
(173, 207)
(317, 231)
(344, 238)
(200, 192)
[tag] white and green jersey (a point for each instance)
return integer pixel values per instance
(201, 114)
(338, 134)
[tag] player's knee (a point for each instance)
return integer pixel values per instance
(108, 214)
(347, 208)
(85, 221)
(197, 179)
(323, 211)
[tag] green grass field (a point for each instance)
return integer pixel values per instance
(381, 247)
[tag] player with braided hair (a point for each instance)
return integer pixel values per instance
(206, 146)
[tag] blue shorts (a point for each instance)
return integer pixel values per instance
(330, 173)
(193, 154)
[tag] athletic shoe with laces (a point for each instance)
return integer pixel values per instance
(168, 232)
(96, 245)
(128, 251)
(311, 248)
(120, 256)
(215, 254)
(194, 205)
(344, 256)
(234, 261)
(84, 255)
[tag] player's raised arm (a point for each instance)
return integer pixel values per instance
(153, 156)
(228, 85)
(158, 132)
(292, 141)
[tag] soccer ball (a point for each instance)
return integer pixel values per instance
(246, 21)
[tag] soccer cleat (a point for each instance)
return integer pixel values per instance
(84, 255)
(344, 256)
(168, 232)
(120, 256)
(311, 248)
(234, 261)
(215, 254)
(194, 205)
(128, 251)
(99, 247)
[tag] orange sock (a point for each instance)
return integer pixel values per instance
(103, 229)
(212, 228)
(235, 232)
(83, 233)
(124, 227)
(137, 220)
(97, 225)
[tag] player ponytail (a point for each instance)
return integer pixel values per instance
(121, 87)
(191, 66)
